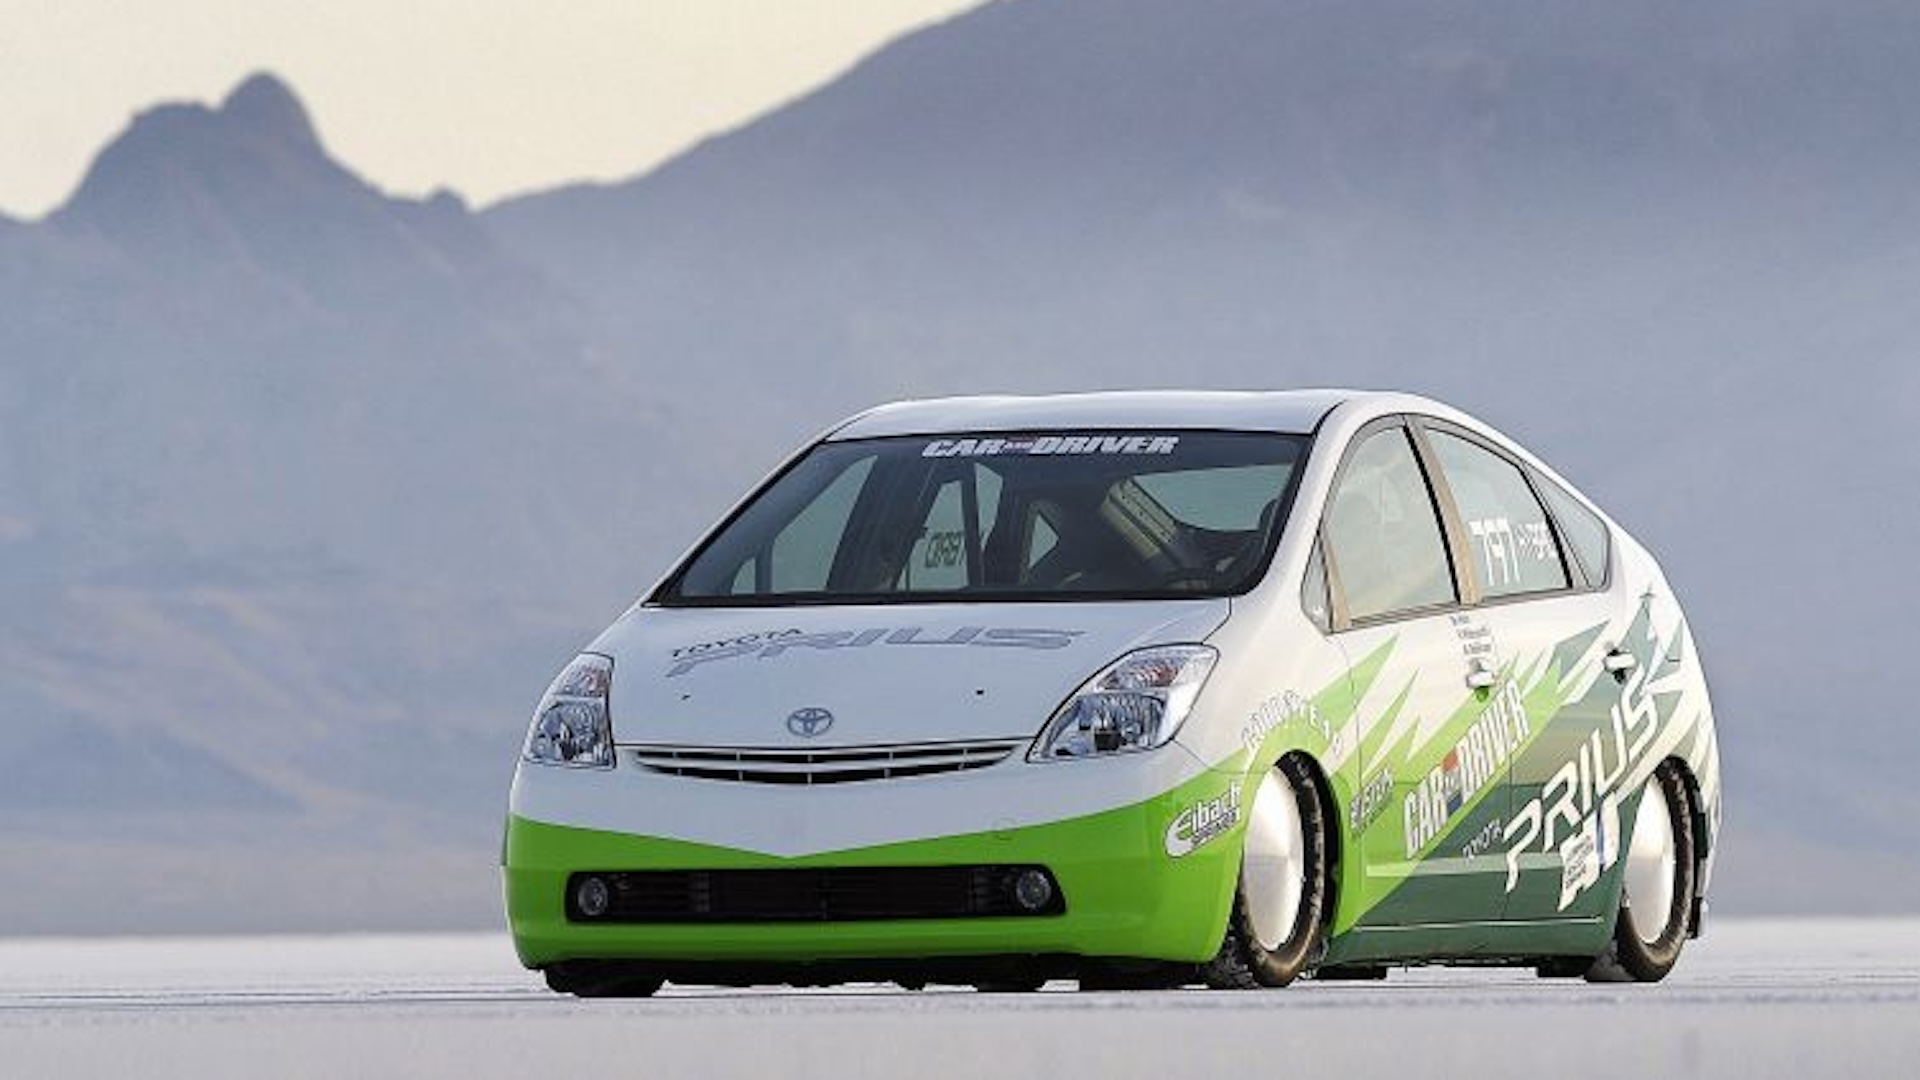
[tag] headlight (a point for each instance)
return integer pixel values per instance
(1137, 703)
(572, 726)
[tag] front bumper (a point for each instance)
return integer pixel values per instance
(1125, 896)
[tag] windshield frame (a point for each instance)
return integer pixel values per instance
(666, 593)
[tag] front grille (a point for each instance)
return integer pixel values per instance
(836, 894)
(839, 766)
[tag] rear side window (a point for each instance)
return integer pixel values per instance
(1513, 545)
(1383, 534)
(1585, 533)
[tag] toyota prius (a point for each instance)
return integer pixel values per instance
(1136, 689)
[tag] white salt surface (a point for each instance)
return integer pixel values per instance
(1752, 999)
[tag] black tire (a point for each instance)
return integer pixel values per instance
(1629, 958)
(1242, 962)
(597, 981)
(1135, 975)
(1016, 985)
(1563, 967)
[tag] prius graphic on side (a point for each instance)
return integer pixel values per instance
(1138, 689)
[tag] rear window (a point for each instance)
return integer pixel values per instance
(1586, 534)
(1032, 515)
(1514, 549)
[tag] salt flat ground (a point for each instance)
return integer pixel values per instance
(1752, 999)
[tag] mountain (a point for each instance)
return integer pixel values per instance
(305, 489)
(297, 515)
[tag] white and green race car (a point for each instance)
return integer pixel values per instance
(1138, 689)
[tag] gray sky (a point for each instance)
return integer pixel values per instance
(489, 97)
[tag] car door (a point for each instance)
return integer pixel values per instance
(1429, 778)
(1540, 560)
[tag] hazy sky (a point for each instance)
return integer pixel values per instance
(488, 97)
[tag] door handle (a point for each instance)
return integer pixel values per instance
(1481, 678)
(1619, 662)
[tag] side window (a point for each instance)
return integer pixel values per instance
(1586, 534)
(1313, 591)
(1383, 534)
(803, 552)
(1513, 545)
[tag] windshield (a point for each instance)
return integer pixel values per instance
(1017, 516)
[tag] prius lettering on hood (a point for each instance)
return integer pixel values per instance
(766, 648)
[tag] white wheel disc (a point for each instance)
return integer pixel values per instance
(1650, 864)
(1273, 867)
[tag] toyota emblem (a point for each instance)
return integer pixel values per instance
(809, 722)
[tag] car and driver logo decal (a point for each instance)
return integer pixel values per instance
(1043, 445)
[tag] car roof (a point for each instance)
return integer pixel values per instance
(1291, 411)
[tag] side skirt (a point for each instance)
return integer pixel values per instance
(1469, 943)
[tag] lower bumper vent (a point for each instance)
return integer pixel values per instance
(830, 894)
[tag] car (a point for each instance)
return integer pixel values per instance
(1140, 689)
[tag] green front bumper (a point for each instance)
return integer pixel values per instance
(1125, 896)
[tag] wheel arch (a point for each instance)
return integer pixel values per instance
(1305, 766)
(1703, 840)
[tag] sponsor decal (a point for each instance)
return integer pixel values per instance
(1476, 637)
(1484, 840)
(1202, 822)
(1283, 710)
(945, 548)
(1478, 759)
(769, 646)
(1505, 544)
(1044, 445)
(1577, 815)
(1373, 798)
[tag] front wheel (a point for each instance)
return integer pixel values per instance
(1656, 900)
(594, 980)
(1277, 928)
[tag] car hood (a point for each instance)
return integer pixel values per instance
(893, 673)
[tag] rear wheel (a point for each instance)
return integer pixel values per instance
(1277, 928)
(1656, 898)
